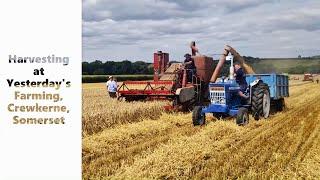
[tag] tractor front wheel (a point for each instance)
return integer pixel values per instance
(197, 117)
(242, 117)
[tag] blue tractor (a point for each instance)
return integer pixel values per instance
(265, 91)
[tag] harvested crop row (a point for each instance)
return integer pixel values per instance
(170, 147)
(306, 164)
(106, 152)
(182, 156)
(100, 111)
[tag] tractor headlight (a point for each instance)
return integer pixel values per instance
(222, 101)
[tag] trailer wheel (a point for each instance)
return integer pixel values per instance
(260, 105)
(280, 105)
(197, 117)
(242, 117)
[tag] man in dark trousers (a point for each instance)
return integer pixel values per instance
(241, 79)
(112, 87)
(190, 66)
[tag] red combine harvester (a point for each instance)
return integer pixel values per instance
(170, 83)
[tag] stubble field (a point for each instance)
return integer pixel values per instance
(139, 141)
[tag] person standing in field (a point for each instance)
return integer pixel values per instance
(112, 87)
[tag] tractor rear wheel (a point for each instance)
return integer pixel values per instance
(197, 117)
(242, 117)
(260, 105)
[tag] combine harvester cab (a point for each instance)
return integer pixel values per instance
(170, 83)
(265, 91)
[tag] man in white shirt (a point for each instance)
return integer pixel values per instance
(112, 87)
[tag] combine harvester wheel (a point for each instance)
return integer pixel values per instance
(197, 117)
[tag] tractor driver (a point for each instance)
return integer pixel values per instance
(240, 79)
(190, 66)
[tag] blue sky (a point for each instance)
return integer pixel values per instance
(134, 29)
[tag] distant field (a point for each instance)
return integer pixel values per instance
(287, 65)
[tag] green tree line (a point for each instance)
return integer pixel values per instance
(272, 65)
(116, 68)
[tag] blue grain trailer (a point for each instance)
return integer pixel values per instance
(278, 84)
(265, 91)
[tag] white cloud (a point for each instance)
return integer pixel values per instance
(126, 29)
